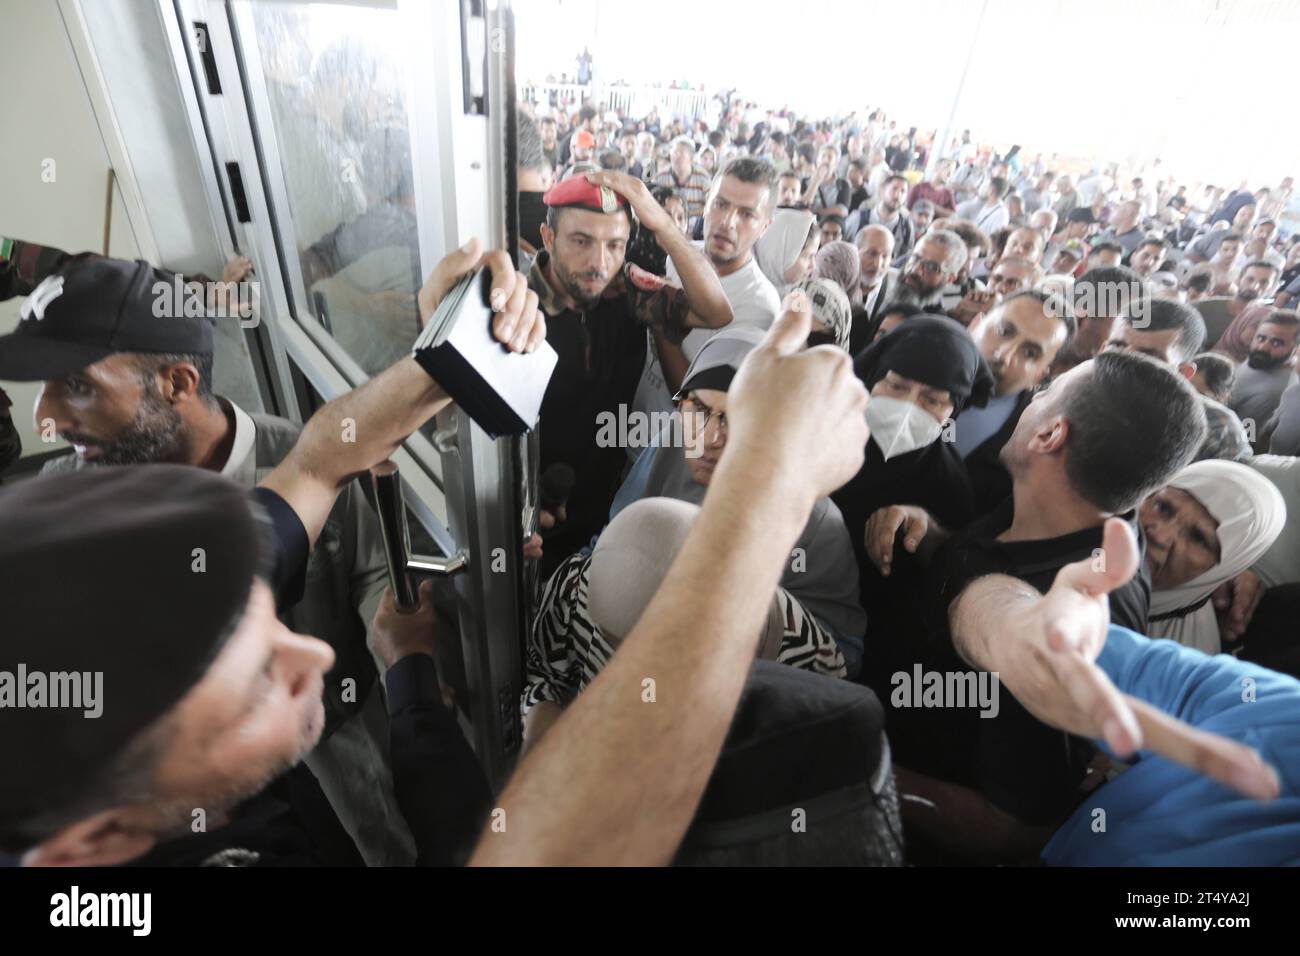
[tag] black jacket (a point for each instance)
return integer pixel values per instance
(865, 323)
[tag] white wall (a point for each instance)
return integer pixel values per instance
(46, 123)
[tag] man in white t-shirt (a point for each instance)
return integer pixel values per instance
(1091, 186)
(739, 210)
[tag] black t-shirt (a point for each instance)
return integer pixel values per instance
(601, 354)
(1020, 764)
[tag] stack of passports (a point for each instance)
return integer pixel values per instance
(499, 389)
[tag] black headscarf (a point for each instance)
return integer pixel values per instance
(933, 349)
(936, 350)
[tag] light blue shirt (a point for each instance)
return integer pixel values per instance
(1159, 813)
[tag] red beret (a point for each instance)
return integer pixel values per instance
(577, 191)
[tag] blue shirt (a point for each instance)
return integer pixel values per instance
(1159, 813)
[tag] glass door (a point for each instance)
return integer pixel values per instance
(355, 143)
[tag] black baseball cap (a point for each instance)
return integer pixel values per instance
(93, 309)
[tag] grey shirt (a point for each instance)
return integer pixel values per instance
(1214, 310)
(1256, 394)
(1284, 427)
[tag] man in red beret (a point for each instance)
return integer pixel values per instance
(598, 309)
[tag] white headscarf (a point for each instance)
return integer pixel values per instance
(1251, 514)
(777, 248)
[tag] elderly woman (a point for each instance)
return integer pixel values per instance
(840, 262)
(1211, 522)
(920, 376)
(832, 316)
(785, 251)
(815, 620)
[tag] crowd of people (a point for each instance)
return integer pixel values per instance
(1045, 352)
(961, 532)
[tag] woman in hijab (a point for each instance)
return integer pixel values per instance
(920, 376)
(838, 261)
(832, 316)
(785, 252)
(820, 585)
(1211, 522)
(816, 609)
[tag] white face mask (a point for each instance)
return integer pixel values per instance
(898, 427)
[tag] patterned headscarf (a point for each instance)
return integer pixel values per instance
(839, 262)
(830, 306)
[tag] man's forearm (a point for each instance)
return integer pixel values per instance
(699, 280)
(672, 362)
(351, 434)
(979, 615)
(618, 778)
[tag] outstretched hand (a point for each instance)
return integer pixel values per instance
(1052, 670)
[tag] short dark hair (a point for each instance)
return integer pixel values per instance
(612, 159)
(751, 169)
(1261, 264)
(998, 241)
(151, 363)
(1107, 245)
(1287, 318)
(905, 309)
(546, 119)
(894, 177)
(1120, 282)
(1232, 237)
(1134, 424)
(1153, 241)
(1219, 371)
(1000, 185)
(1200, 281)
(971, 234)
(1162, 315)
(586, 112)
